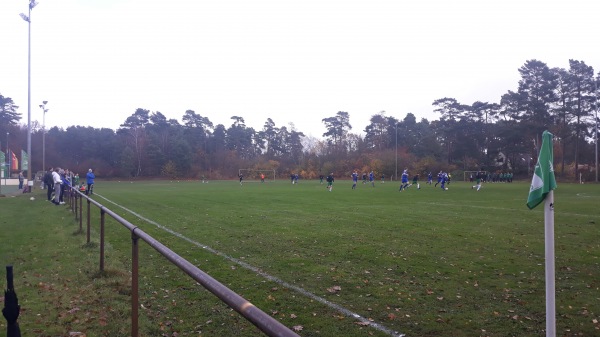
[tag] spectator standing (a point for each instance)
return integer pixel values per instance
(21, 179)
(57, 182)
(90, 182)
(49, 182)
(64, 176)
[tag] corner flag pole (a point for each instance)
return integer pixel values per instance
(550, 273)
(543, 184)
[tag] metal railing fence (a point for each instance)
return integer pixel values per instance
(264, 322)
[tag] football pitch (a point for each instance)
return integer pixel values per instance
(367, 262)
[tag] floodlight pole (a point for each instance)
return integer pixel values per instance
(8, 159)
(27, 18)
(43, 106)
(396, 175)
(596, 122)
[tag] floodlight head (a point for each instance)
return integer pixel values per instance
(45, 102)
(32, 4)
(24, 17)
(41, 106)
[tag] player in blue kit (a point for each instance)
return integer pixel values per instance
(440, 176)
(372, 178)
(404, 180)
(444, 180)
(354, 179)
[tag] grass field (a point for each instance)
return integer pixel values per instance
(419, 262)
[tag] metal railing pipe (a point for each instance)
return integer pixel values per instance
(260, 319)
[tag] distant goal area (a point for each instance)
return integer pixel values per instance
(472, 175)
(257, 176)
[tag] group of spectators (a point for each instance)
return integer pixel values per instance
(58, 180)
(497, 177)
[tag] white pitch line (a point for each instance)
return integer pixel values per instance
(302, 291)
(505, 209)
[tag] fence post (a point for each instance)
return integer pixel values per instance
(88, 220)
(102, 216)
(76, 208)
(80, 211)
(134, 283)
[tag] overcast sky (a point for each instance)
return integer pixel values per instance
(97, 61)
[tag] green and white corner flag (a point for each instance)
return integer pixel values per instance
(543, 180)
(542, 188)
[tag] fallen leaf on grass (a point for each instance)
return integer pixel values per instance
(298, 327)
(334, 289)
(363, 323)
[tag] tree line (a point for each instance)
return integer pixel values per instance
(502, 136)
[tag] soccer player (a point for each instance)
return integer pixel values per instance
(372, 178)
(415, 181)
(477, 181)
(330, 181)
(354, 179)
(321, 177)
(429, 178)
(404, 181)
(444, 179)
(440, 177)
(262, 177)
(383, 178)
(364, 176)
(241, 176)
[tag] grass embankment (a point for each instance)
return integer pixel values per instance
(421, 262)
(56, 273)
